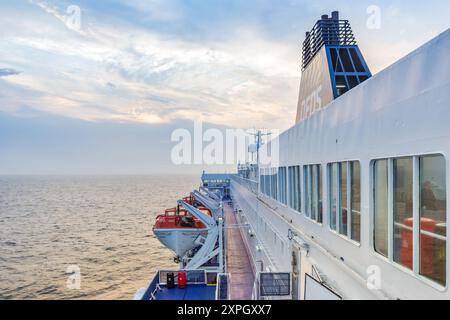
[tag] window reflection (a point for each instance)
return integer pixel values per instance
(297, 189)
(313, 195)
(356, 201)
(333, 195)
(282, 184)
(403, 211)
(381, 206)
(314, 180)
(343, 198)
(433, 227)
(319, 195)
(307, 178)
(344, 183)
(294, 190)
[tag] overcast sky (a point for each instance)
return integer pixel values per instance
(153, 65)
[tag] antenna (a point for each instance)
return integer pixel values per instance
(259, 143)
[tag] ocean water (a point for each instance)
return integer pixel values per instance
(101, 226)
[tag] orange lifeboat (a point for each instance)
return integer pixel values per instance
(178, 230)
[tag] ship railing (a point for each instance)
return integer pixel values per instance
(426, 233)
(192, 276)
(223, 286)
(150, 293)
(249, 184)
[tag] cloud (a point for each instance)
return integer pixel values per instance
(130, 73)
(8, 72)
(172, 68)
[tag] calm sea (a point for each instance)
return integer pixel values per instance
(101, 225)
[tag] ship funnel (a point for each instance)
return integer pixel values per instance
(332, 64)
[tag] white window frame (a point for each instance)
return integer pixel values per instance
(307, 201)
(294, 199)
(338, 191)
(416, 217)
(282, 185)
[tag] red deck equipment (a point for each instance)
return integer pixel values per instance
(182, 280)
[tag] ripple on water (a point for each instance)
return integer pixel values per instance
(45, 231)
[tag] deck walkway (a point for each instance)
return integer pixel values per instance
(238, 262)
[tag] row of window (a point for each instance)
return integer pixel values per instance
(344, 208)
(408, 203)
(269, 183)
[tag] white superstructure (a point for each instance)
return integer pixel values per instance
(358, 201)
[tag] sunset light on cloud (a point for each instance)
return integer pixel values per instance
(226, 62)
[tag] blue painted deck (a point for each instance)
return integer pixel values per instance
(192, 292)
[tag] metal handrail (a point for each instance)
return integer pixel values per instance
(161, 279)
(422, 232)
(251, 184)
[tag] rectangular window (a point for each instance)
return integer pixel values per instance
(433, 218)
(261, 180)
(266, 182)
(294, 188)
(403, 211)
(319, 190)
(274, 183)
(355, 201)
(313, 192)
(411, 194)
(343, 205)
(345, 198)
(282, 185)
(333, 194)
(307, 184)
(381, 206)
(291, 190)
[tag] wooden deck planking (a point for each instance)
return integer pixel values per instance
(238, 262)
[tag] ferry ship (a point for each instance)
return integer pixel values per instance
(357, 206)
